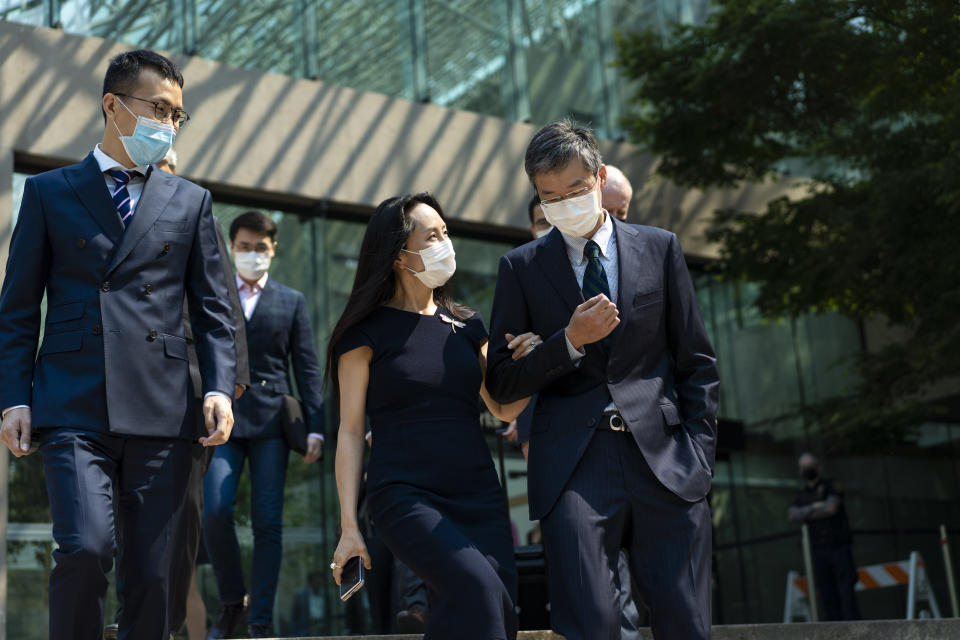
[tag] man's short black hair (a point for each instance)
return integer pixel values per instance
(534, 202)
(255, 221)
(123, 74)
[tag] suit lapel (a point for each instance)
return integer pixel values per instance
(266, 298)
(157, 191)
(628, 265)
(87, 181)
(553, 261)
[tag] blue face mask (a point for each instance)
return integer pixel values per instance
(150, 142)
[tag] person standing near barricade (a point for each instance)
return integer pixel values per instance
(116, 245)
(820, 505)
(279, 337)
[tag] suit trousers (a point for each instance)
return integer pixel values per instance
(268, 474)
(187, 536)
(613, 501)
(112, 494)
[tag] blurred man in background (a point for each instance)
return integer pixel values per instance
(617, 193)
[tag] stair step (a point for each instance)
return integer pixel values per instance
(944, 629)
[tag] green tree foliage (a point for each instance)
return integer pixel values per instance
(864, 97)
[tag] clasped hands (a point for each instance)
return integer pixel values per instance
(592, 321)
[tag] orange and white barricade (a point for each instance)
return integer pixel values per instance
(908, 572)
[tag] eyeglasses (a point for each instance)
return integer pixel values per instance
(576, 193)
(163, 111)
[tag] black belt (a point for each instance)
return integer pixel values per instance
(272, 387)
(612, 421)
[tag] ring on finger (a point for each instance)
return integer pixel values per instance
(334, 566)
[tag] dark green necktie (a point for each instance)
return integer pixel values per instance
(595, 278)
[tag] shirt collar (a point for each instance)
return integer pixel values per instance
(603, 237)
(107, 163)
(257, 286)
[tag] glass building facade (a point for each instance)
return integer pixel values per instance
(523, 61)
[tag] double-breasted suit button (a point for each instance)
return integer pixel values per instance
(591, 422)
(105, 286)
(81, 243)
(97, 330)
(152, 335)
(148, 288)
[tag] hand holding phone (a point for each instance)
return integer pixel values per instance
(352, 578)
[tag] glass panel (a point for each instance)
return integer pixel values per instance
(139, 23)
(32, 12)
(365, 45)
(254, 34)
(467, 54)
(29, 528)
(563, 61)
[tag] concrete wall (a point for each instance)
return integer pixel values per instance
(302, 139)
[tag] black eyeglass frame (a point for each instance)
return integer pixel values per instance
(163, 111)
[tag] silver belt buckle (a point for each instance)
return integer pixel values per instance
(617, 423)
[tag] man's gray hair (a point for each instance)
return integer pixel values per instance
(555, 145)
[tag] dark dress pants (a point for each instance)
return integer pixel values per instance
(105, 490)
(187, 535)
(836, 577)
(612, 502)
(268, 474)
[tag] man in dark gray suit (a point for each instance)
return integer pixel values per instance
(624, 431)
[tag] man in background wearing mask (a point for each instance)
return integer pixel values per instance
(617, 193)
(278, 336)
(539, 226)
(820, 505)
(116, 245)
(624, 430)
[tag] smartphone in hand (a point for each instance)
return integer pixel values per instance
(352, 578)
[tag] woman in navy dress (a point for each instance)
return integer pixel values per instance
(406, 357)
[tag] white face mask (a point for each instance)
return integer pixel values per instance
(539, 233)
(251, 265)
(439, 264)
(575, 217)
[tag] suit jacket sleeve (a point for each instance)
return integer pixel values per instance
(696, 379)
(243, 357)
(509, 380)
(306, 367)
(23, 286)
(525, 421)
(210, 315)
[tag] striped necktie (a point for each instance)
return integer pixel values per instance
(121, 197)
(594, 278)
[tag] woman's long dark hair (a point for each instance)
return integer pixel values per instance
(375, 283)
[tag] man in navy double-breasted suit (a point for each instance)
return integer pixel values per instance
(116, 245)
(624, 430)
(279, 338)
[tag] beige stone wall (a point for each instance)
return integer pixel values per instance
(302, 139)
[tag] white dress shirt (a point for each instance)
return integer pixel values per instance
(134, 187)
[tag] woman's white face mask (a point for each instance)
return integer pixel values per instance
(439, 264)
(575, 217)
